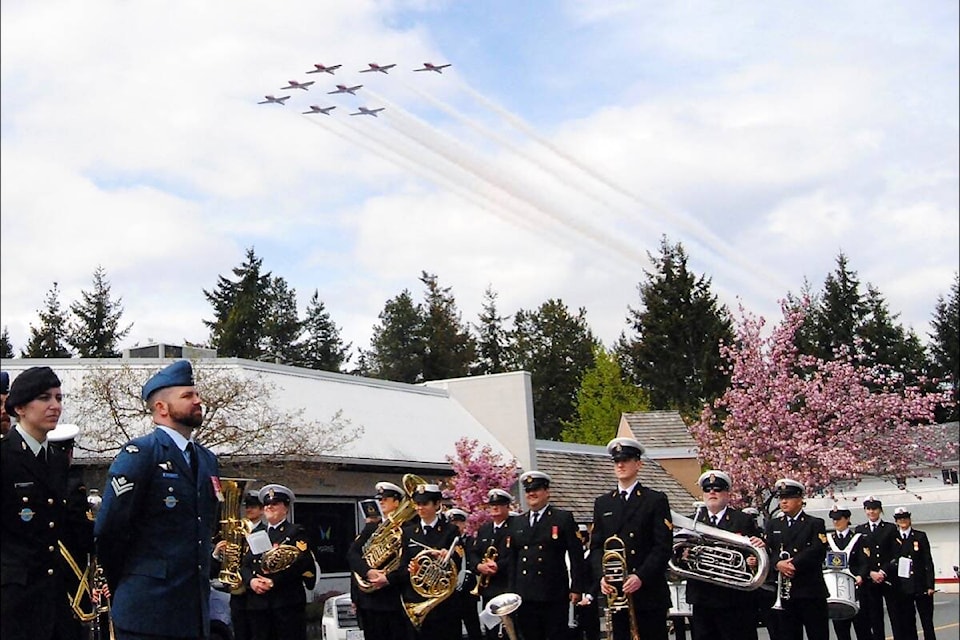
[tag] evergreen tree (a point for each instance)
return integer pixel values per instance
(674, 353)
(603, 396)
(945, 345)
(556, 347)
(492, 342)
(448, 348)
(95, 331)
(323, 348)
(48, 341)
(6, 347)
(282, 328)
(886, 343)
(397, 348)
(239, 307)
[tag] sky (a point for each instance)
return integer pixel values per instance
(564, 142)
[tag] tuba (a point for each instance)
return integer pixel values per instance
(502, 606)
(383, 550)
(483, 580)
(234, 529)
(613, 563)
(710, 554)
(433, 578)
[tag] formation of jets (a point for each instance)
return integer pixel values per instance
(342, 88)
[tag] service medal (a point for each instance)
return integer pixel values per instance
(555, 532)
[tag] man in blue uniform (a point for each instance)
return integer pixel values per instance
(156, 524)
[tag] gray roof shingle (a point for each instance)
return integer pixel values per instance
(658, 429)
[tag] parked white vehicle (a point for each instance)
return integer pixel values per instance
(340, 619)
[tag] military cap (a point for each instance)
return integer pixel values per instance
(273, 493)
(624, 449)
(872, 503)
(714, 479)
(751, 511)
(836, 513)
(4, 382)
(533, 480)
(28, 386)
(252, 500)
(64, 435)
(498, 496)
(427, 493)
(178, 374)
(455, 514)
(389, 490)
(900, 512)
(788, 488)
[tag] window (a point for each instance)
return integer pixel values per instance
(331, 527)
(950, 476)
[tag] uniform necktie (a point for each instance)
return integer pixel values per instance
(427, 529)
(623, 496)
(904, 536)
(873, 527)
(534, 518)
(789, 522)
(193, 459)
(42, 455)
(713, 520)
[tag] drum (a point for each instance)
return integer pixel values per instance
(842, 601)
(678, 598)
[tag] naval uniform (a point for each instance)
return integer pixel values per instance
(490, 535)
(877, 549)
(911, 591)
(852, 544)
(806, 609)
(379, 612)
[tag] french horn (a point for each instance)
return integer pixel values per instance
(433, 577)
(710, 554)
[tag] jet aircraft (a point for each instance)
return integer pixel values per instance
(376, 67)
(429, 66)
(271, 99)
(316, 109)
(298, 85)
(325, 69)
(363, 111)
(342, 88)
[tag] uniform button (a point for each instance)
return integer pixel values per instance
(51, 525)
(50, 548)
(26, 499)
(170, 489)
(631, 534)
(524, 572)
(49, 572)
(525, 547)
(49, 500)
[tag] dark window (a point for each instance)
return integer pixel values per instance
(949, 476)
(331, 527)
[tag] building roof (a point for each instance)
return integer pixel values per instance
(660, 430)
(579, 473)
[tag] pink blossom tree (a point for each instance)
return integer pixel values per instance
(820, 422)
(477, 470)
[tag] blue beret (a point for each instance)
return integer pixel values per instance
(4, 382)
(178, 374)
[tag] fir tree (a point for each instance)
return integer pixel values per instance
(95, 331)
(448, 348)
(239, 307)
(48, 340)
(282, 328)
(396, 349)
(6, 347)
(492, 337)
(323, 348)
(945, 345)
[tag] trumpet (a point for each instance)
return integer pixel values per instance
(483, 580)
(784, 585)
(710, 554)
(614, 565)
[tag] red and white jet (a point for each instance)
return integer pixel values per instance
(342, 88)
(363, 111)
(293, 84)
(271, 99)
(429, 66)
(376, 67)
(324, 110)
(324, 69)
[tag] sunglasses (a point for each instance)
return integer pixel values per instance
(713, 490)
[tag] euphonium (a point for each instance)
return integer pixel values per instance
(613, 563)
(702, 552)
(382, 551)
(483, 580)
(432, 578)
(234, 529)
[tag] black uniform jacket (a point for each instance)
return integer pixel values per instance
(415, 540)
(711, 595)
(644, 524)
(541, 552)
(503, 543)
(289, 583)
(806, 543)
(878, 547)
(917, 548)
(384, 599)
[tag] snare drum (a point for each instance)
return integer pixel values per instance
(678, 597)
(842, 601)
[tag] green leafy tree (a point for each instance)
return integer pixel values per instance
(945, 345)
(323, 349)
(448, 348)
(396, 348)
(239, 307)
(95, 331)
(556, 347)
(603, 396)
(282, 327)
(49, 339)
(492, 337)
(673, 353)
(6, 347)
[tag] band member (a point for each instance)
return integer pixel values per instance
(156, 524)
(844, 539)
(253, 514)
(380, 612)
(911, 573)
(542, 538)
(494, 568)
(276, 600)
(33, 602)
(877, 546)
(802, 539)
(587, 612)
(722, 612)
(465, 599)
(640, 517)
(428, 536)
